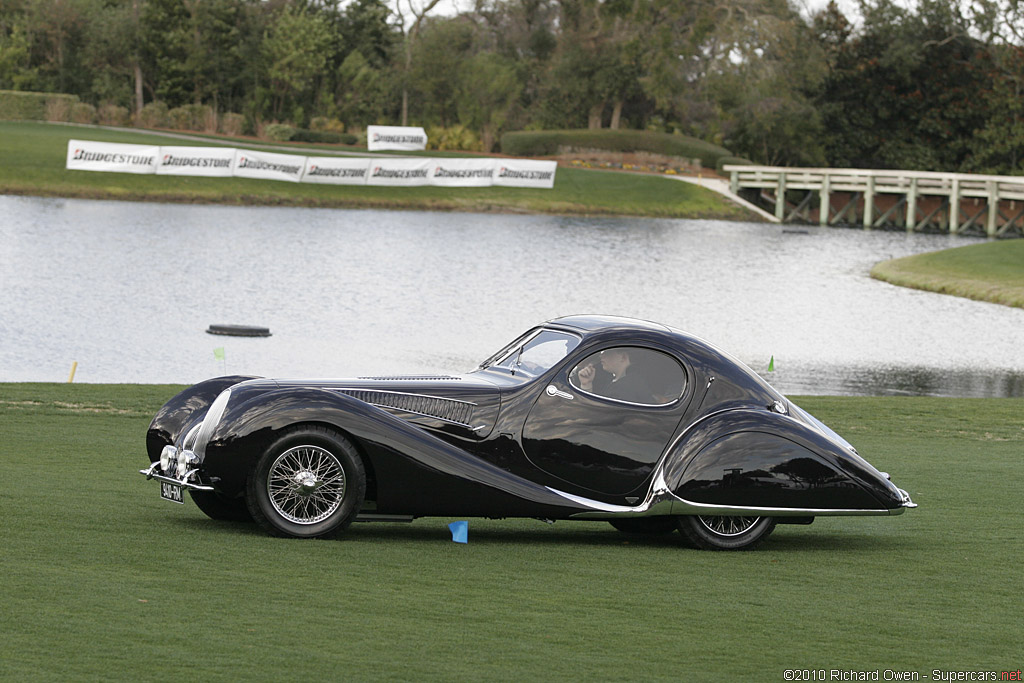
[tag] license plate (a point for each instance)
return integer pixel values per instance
(172, 492)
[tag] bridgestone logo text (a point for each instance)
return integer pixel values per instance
(525, 175)
(400, 139)
(337, 172)
(399, 173)
(198, 162)
(267, 166)
(441, 172)
(112, 158)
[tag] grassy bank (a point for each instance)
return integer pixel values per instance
(101, 579)
(992, 271)
(32, 159)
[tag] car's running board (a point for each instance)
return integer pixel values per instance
(374, 517)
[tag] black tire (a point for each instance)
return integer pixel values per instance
(724, 533)
(310, 482)
(645, 526)
(220, 507)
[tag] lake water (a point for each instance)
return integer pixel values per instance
(128, 289)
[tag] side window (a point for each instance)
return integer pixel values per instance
(631, 374)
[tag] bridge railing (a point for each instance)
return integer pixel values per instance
(862, 189)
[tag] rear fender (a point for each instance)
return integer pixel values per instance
(763, 459)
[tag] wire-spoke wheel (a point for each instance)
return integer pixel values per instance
(309, 482)
(720, 532)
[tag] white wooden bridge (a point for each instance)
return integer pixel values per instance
(915, 200)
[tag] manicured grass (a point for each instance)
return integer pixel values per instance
(992, 271)
(102, 580)
(32, 160)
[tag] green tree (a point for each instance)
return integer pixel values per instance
(296, 47)
(488, 89)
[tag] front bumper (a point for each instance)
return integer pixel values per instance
(169, 470)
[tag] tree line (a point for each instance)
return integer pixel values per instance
(938, 86)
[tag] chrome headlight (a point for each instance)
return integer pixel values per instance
(167, 456)
(186, 459)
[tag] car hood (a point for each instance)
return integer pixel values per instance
(465, 405)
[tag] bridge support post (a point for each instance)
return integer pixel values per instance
(954, 206)
(824, 209)
(993, 209)
(780, 197)
(869, 203)
(912, 206)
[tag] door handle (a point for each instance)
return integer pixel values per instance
(552, 390)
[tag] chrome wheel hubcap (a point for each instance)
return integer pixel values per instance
(306, 484)
(728, 526)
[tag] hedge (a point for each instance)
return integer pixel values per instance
(324, 136)
(549, 142)
(35, 106)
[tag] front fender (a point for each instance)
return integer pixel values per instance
(417, 472)
(184, 408)
(762, 459)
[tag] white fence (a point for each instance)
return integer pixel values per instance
(85, 155)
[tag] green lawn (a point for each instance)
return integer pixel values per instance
(32, 160)
(991, 271)
(102, 580)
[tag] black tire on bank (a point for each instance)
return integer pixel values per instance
(310, 482)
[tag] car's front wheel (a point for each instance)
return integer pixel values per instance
(714, 532)
(309, 482)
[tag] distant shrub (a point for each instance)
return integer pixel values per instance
(322, 136)
(551, 142)
(113, 115)
(322, 123)
(83, 113)
(35, 106)
(456, 138)
(153, 115)
(58, 107)
(196, 117)
(232, 124)
(738, 161)
(278, 132)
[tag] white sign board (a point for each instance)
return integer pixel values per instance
(525, 173)
(399, 171)
(336, 170)
(462, 172)
(214, 162)
(250, 164)
(85, 155)
(395, 137)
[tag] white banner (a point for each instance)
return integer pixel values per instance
(402, 171)
(462, 172)
(250, 164)
(86, 155)
(525, 173)
(336, 170)
(198, 161)
(395, 137)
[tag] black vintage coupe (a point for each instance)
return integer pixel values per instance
(583, 417)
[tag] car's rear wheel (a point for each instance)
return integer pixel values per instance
(716, 532)
(309, 482)
(220, 507)
(647, 526)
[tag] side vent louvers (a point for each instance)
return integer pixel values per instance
(429, 406)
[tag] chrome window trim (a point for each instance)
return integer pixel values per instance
(682, 366)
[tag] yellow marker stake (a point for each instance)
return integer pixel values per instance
(74, 366)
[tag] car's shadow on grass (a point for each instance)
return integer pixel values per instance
(486, 532)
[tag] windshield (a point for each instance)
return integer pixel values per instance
(534, 353)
